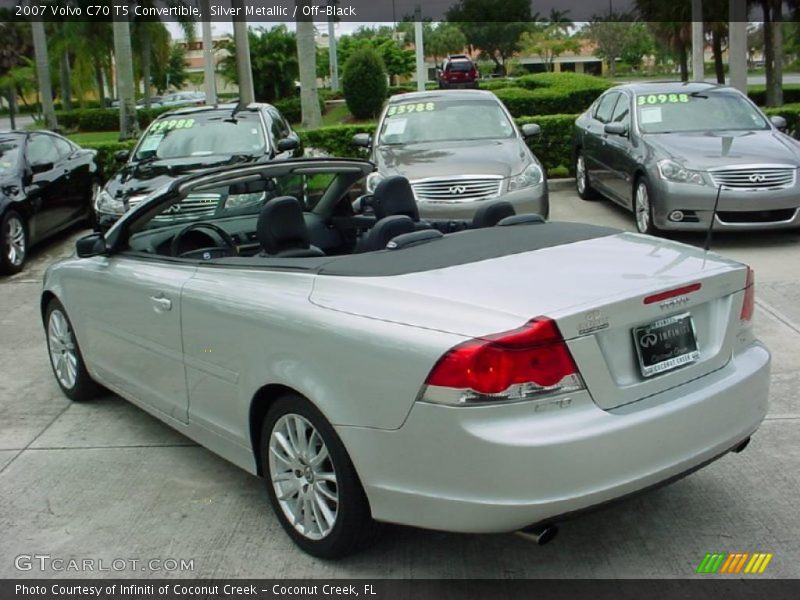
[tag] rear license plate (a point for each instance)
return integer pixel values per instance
(666, 344)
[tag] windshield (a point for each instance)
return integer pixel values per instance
(203, 134)
(9, 154)
(444, 120)
(699, 111)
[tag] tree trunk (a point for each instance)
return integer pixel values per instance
(12, 106)
(98, 78)
(683, 57)
(769, 51)
(146, 53)
(307, 61)
(612, 66)
(123, 57)
(43, 74)
(66, 84)
(777, 45)
(719, 66)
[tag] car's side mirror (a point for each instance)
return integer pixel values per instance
(616, 128)
(531, 130)
(363, 140)
(91, 245)
(43, 167)
(286, 144)
(122, 155)
(779, 122)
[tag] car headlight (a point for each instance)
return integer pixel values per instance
(373, 179)
(243, 200)
(106, 203)
(532, 175)
(672, 171)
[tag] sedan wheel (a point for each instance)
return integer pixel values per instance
(643, 209)
(313, 486)
(65, 356)
(15, 243)
(585, 191)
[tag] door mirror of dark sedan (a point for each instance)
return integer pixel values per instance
(779, 122)
(364, 140)
(43, 167)
(616, 129)
(287, 144)
(531, 130)
(122, 155)
(91, 245)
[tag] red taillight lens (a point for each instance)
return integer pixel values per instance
(535, 353)
(749, 302)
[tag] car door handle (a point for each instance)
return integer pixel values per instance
(161, 304)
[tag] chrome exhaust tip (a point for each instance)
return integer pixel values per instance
(540, 535)
(742, 446)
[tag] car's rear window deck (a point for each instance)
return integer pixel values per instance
(450, 250)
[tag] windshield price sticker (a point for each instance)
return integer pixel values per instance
(172, 124)
(663, 99)
(401, 109)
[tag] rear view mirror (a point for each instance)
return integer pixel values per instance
(122, 155)
(616, 129)
(779, 122)
(531, 130)
(287, 143)
(93, 244)
(364, 140)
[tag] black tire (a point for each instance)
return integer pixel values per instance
(353, 528)
(84, 387)
(11, 262)
(644, 225)
(582, 185)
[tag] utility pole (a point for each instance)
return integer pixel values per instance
(209, 74)
(244, 69)
(737, 51)
(419, 44)
(332, 59)
(698, 41)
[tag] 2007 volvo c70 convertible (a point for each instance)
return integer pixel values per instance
(487, 375)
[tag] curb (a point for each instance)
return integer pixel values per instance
(561, 185)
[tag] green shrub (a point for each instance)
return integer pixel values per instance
(551, 93)
(364, 83)
(790, 112)
(104, 119)
(105, 156)
(758, 94)
(336, 140)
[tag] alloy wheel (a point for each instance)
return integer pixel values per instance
(303, 476)
(642, 208)
(15, 241)
(63, 354)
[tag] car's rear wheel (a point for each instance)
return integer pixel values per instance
(312, 484)
(14, 243)
(585, 190)
(65, 355)
(643, 207)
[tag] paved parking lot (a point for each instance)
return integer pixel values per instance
(104, 480)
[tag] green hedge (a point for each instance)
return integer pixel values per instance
(790, 112)
(551, 93)
(758, 94)
(105, 156)
(292, 110)
(105, 119)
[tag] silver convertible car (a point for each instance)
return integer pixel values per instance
(489, 375)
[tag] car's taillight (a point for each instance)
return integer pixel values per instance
(749, 301)
(523, 364)
(473, 73)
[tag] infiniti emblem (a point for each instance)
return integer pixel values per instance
(648, 340)
(757, 177)
(457, 189)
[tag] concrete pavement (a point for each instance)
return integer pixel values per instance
(104, 480)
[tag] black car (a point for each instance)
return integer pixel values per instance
(46, 184)
(189, 140)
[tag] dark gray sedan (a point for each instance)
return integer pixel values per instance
(664, 151)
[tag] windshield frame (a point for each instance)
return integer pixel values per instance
(379, 143)
(723, 91)
(193, 115)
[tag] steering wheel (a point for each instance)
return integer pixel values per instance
(227, 249)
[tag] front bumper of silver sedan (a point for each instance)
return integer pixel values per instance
(534, 199)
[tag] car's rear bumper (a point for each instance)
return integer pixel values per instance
(494, 469)
(738, 210)
(532, 200)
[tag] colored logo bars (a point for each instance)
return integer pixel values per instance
(737, 562)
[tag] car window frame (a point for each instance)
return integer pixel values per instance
(35, 136)
(630, 107)
(612, 93)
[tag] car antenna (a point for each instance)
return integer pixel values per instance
(707, 246)
(240, 106)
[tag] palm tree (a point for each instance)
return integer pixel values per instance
(123, 58)
(307, 61)
(43, 74)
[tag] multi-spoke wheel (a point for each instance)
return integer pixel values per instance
(584, 189)
(65, 356)
(643, 208)
(312, 484)
(14, 243)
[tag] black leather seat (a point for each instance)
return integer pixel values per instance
(384, 230)
(394, 196)
(491, 213)
(282, 231)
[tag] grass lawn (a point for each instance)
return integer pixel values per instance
(94, 137)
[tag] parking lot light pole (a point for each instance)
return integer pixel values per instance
(208, 57)
(698, 41)
(419, 45)
(244, 69)
(332, 58)
(737, 51)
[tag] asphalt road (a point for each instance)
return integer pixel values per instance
(104, 480)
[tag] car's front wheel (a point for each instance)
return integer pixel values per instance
(584, 189)
(643, 207)
(312, 484)
(65, 355)
(14, 243)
